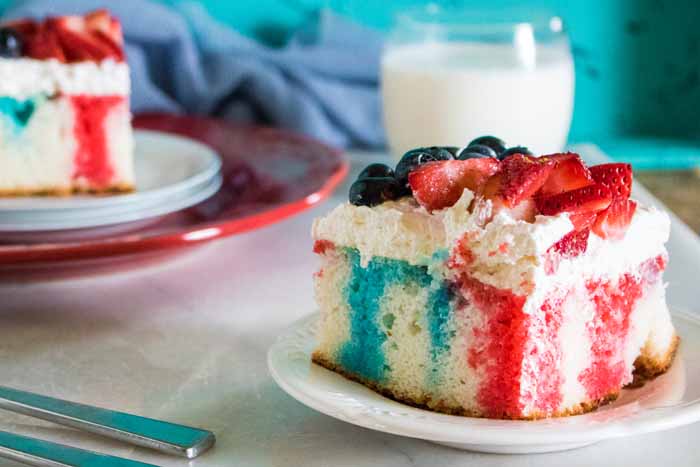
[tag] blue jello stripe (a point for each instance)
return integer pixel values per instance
(439, 312)
(362, 354)
(17, 111)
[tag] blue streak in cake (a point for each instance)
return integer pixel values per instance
(17, 111)
(362, 354)
(439, 314)
(364, 292)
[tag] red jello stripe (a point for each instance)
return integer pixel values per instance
(321, 246)
(91, 159)
(609, 328)
(498, 348)
(461, 255)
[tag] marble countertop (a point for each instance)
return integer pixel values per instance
(186, 341)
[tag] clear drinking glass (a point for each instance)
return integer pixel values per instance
(449, 76)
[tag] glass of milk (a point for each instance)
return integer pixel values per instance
(450, 76)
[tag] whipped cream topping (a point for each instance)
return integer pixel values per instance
(395, 229)
(644, 239)
(405, 230)
(507, 253)
(22, 78)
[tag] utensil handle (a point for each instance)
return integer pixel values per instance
(40, 453)
(166, 437)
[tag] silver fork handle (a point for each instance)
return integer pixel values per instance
(166, 437)
(40, 453)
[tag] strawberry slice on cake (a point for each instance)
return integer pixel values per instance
(513, 286)
(439, 184)
(64, 107)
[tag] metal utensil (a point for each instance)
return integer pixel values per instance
(40, 453)
(166, 437)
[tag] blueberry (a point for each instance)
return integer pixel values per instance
(497, 144)
(466, 154)
(376, 170)
(417, 157)
(515, 150)
(476, 151)
(454, 150)
(374, 190)
(10, 43)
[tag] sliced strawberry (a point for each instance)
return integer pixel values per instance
(44, 45)
(583, 220)
(559, 156)
(440, 184)
(117, 51)
(78, 48)
(492, 187)
(569, 246)
(96, 36)
(613, 222)
(80, 43)
(107, 30)
(525, 210)
(75, 40)
(520, 177)
(569, 173)
(589, 198)
(572, 244)
(102, 21)
(477, 171)
(616, 176)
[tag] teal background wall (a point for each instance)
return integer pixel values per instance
(637, 61)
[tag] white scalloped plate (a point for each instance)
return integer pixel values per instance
(669, 401)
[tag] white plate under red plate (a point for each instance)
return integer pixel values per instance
(669, 401)
(268, 175)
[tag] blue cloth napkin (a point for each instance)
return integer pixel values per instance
(324, 82)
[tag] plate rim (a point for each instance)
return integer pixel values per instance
(666, 417)
(41, 253)
(213, 167)
(183, 200)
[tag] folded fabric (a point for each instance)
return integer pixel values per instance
(324, 82)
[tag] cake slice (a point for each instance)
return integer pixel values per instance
(521, 288)
(65, 125)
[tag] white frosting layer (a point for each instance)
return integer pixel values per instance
(507, 253)
(645, 239)
(22, 78)
(395, 229)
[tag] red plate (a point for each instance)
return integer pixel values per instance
(269, 175)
